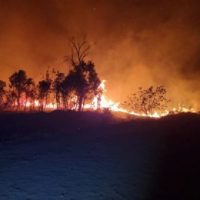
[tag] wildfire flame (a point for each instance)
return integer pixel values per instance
(109, 104)
(115, 106)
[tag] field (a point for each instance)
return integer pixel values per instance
(90, 156)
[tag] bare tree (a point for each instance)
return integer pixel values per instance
(147, 101)
(79, 50)
(83, 79)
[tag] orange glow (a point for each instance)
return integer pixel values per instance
(113, 106)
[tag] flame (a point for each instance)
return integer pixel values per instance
(106, 103)
(115, 106)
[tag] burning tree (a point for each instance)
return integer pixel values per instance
(30, 93)
(57, 87)
(10, 99)
(85, 82)
(83, 77)
(19, 82)
(148, 101)
(67, 92)
(44, 89)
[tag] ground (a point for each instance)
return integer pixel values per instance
(83, 156)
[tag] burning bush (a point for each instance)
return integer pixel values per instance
(148, 101)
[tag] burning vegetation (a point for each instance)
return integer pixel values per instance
(80, 89)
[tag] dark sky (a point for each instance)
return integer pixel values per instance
(134, 42)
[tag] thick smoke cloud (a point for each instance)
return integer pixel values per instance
(134, 42)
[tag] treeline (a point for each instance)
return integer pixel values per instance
(64, 91)
(73, 90)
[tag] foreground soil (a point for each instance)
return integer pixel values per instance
(83, 156)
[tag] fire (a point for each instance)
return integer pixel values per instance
(115, 106)
(106, 103)
(183, 109)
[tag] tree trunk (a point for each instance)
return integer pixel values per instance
(80, 103)
(18, 103)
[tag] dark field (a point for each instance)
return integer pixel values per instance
(83, 156)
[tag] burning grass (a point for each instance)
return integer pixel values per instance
(101, 103)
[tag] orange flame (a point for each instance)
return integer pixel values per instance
(106, 103)
(115, 106)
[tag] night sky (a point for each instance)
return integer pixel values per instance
(134, 42)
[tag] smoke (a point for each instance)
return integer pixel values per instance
(134, 43)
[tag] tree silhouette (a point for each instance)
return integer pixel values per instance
(2, 93)
(18, 84)
(44, 88)
(67, 92)
(10, 99)
(58, 87)
(30, 93)
(79, 50)
(81, 84)
(83, 77)
(147, 101)
(84, 81)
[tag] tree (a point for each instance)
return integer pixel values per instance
(67, 92)
(30, 93)
(79, 50)
(58, 87)
(10, 99)
(83, 77)
(18, 84)
(148, 101)
(2, 93)
(85, 82)
(44, 88)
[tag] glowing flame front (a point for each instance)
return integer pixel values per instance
(106, 103)
(115, 106)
